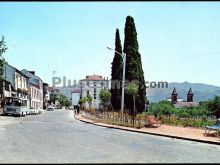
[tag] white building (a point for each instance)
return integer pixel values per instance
(35, 89)
(92, 86)
(16, 84)
(75, 97)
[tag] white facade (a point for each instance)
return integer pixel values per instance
(75, 96)
(35, 89)
(92, 86)
(21, 88)
(178, 99)
(36, 96)
(20, 82)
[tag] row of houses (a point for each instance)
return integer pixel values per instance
(26, 86)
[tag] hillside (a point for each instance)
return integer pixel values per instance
(201, 91)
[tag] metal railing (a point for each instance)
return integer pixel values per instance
(115, 119)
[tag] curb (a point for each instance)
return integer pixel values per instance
(150, 133)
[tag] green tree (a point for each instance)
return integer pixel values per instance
(162, 108)
(134, 71)
(68, 103)
(105, 98)
(132, 89)
(82, 101)
(89, 100)
(64, 101)
(116, 74)
(214, 106)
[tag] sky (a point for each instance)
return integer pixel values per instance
(178, 41)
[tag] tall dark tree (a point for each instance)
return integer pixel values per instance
(134, 71)
(116, 74)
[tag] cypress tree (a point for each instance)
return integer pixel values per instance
(134, 69)
(116, 73)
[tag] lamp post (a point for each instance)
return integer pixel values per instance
(123, 55)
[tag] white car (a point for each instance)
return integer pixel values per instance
(50, 108)
(34, 111)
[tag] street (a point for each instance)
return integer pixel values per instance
(56, 137)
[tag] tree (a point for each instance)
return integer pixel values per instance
(134, 69)
(3, 48)
(68, 102)
(132, 89)
(162, 108)
(89, 100)
(116, 74)
(105, 97)
(82, 101)
(214, 106)
(64, 101)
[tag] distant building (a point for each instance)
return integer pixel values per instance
(75, 97)
(174, 97)
(179, 102)
(92, 86)
(53, 92)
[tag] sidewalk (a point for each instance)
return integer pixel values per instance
(194, 134)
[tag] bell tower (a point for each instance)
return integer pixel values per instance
(190, 95)
(174, 96)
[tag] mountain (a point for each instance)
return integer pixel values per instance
(201, 91)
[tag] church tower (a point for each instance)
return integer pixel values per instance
(174, 96)
(190, 95)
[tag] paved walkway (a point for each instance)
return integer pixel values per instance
(187, 133)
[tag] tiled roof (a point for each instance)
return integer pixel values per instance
(76, 91)
(52, 88)
(93, 78)
(186, 104)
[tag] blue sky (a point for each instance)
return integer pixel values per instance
(178, 41)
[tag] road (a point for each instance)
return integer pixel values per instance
(56, 137)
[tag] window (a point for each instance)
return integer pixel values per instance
(7, 86)
(87, 93)
(87, 83)
(24, 103)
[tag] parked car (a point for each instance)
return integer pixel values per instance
(50, 108)
(34, 111)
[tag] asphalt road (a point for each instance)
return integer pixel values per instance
(56, 137)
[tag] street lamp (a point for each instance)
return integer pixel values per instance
(123, 55)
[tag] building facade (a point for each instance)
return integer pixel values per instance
(53, 94)
(35, 89)
(15, 84)
(92, 86)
